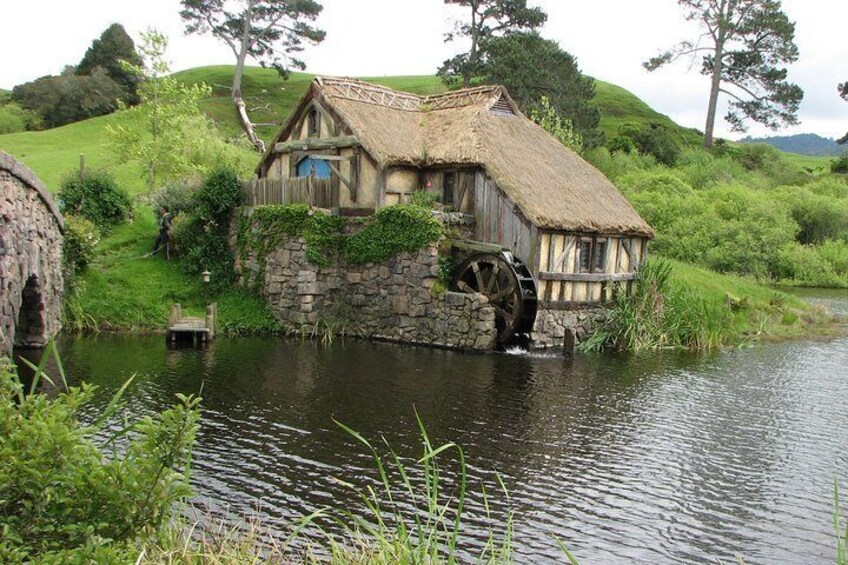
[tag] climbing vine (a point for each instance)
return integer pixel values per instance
(392, 230)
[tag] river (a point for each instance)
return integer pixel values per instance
(659, 458)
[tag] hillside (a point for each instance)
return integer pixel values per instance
(270, 99)
(802, 144)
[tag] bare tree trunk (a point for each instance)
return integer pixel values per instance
(715, 85)
(238, 100)
(472, 54)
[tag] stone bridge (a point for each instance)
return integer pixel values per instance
(31, 280)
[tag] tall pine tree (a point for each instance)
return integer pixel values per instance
(109, 52)
(486, 19)
(743, 49)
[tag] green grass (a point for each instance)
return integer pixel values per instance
(124, 290)
(620, 106)
(759, 311)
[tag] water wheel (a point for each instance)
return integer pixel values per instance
(508, 285)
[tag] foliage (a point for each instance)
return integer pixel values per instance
(840, 164)
(266, 226)
(80, 245)
(424, 199)
(392, 230)
(843, 92)
(69, 97)
(177, 195)
(14, 118)
(71, 496)
(653, 139)
(204, 239)
(265, 30)
(660, 312)
(534, 69)
(94, 195)
(561, 128)
(821, 217)
(168, 134)
(487, 19)
(111, 52)
(742, 50)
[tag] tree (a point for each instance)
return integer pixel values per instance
(559, 127)
(69, 97)
(743, 48)
(269, 31)
(532, 68)
(843, 92)
(167, 133)
(109, 52)
(488, 19)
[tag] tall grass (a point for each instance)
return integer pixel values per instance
(659, 312)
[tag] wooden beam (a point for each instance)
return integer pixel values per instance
(319, 143)
(480, 246)
(344, 180)
(325, 157)
(586, 277)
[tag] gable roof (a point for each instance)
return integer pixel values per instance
(552, 186)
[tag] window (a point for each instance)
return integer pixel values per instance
(585, 255)
(314, 123)
(599, 264)
(448, 184)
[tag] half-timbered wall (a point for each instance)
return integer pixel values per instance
(565, 276)
(499, 221)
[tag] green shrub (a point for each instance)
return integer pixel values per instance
(424, 199)
(202, 238)
(94, 195)
(835, 254)
(840, 164)
(621, 143)
(81, 239)
(653, 139)
(178, 196)
(802, 264)
(820, 217)
(616, 164)
(69, 494)
(391, 230)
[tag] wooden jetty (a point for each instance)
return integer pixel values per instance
(201, 330)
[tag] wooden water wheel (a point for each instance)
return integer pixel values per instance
(508, 285)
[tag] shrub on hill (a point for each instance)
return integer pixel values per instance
(650, 139)
(94, 195)
(81, 239)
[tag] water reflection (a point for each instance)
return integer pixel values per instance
(660, 458)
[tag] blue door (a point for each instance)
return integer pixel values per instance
(310, 167)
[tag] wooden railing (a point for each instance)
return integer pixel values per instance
(306, 190)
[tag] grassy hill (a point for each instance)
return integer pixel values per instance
(270, 99)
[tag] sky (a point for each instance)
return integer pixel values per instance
(609, 38)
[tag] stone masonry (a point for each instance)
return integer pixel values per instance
(392, 301)
(31, 282)
(554, 327)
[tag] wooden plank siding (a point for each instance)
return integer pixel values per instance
(559, 277)
(322, 193)
(499, 221)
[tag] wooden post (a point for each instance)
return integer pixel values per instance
(82, 165)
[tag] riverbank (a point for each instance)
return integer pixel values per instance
(124, 291)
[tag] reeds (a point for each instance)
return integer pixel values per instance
(661, 312)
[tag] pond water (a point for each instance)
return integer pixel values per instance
(658, 458)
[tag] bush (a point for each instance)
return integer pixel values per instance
(653, 139)
(178, 196)
(392, 230)
(81, 239)
(94, 195)
(69, 495)
(802, 264)
(821, 217)
(840, 164)
(218, 197)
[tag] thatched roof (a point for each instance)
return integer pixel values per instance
(553, 187)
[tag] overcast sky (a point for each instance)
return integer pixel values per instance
(610, 39)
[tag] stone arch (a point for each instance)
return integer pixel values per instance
(31, 278)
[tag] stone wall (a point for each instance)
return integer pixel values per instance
(394, 301)
(31, 282)
(565, 327)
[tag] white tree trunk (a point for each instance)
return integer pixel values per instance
(238, 100)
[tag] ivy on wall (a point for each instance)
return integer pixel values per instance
(390, 231)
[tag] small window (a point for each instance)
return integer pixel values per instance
(599, 264)
(314, 123)
(448, 184)
(585, 255)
